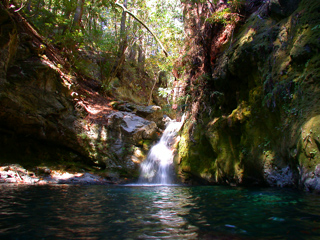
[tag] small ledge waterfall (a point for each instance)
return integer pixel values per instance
(158, 167)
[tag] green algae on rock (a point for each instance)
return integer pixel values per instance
(265, 128)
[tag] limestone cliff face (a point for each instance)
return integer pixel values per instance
(256, 117)
(50, 116)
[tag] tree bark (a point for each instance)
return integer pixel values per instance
(154, 84)
(123, 34)
(78, 14)
(123, 19)
(133, 52)
(141, 55)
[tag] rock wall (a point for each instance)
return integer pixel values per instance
(54, 117)
(256, 120)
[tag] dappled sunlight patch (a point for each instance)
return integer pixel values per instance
(43, 175)
(247, 37)
(241, 113)
(59, 175)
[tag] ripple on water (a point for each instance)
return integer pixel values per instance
(157, 212)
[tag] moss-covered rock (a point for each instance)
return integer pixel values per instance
(308, 154)
(264, 129)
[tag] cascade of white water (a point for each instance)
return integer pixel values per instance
(158, 167)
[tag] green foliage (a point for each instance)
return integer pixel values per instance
(164, 92)
(227, 15)
(97, 34)
(83, 136)
(220, 16)
(183, 102)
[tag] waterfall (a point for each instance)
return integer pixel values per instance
(158, 167)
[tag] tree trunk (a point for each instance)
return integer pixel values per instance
(38, 5)
(141, 55)
(133, 52)
(123, 34)
(29, 6)
(78, 14)
(154, 84)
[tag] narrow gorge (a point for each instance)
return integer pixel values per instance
(246, 78)
(160, 119)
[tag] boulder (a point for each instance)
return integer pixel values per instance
(151, 113)
(133, 127)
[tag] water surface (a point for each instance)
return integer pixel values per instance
(156, 212)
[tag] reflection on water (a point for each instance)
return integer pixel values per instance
(170, 205)
(158, 212)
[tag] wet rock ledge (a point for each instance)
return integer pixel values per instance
(16, 174)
